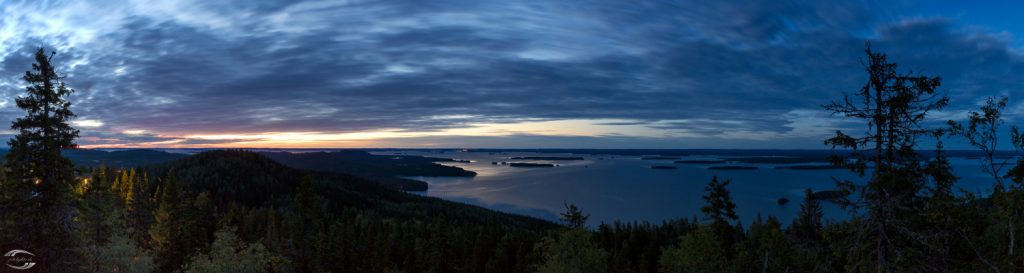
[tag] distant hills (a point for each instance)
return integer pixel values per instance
(119, 159)
(386, 170)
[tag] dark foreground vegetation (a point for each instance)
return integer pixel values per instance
(238, 211)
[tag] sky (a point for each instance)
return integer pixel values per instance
(489, 73)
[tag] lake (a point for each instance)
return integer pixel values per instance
(625, 188)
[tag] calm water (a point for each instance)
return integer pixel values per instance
(626, 188)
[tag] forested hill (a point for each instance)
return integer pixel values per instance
(251, 179)
(385, 169)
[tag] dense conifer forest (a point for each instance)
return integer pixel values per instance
(239, 211)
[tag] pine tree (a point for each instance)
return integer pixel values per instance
(41, 180)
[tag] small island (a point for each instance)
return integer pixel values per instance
(780, 159)
(809, 167)
(659, 158)
(699, 161)
(783, 201)
(733, 168)
(663, 167)
(548, 157)
(530, 165)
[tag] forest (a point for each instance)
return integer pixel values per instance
(240, 211)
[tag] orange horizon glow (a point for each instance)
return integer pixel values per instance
(377, 138)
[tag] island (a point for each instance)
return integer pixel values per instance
(783, 201)
(780, 159)
(548, 158)
(530, 165)
(663, 167)
(732, 168)
(659, 158)
(810, 167)
(699, 161)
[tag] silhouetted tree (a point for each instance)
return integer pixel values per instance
(720, 209)
(982, 131)
(41, 180)
(893, 106)
(807, 226)
(573, 216)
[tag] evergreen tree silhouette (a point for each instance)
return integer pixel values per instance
(42, 181)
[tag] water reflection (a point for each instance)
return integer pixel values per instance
(626, 188)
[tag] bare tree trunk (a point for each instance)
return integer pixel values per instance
(764, 265)
(1010, 227)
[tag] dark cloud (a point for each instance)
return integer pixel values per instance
(346, 66)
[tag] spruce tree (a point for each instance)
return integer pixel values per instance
(42, 181)
(721, 211)
(574, 217)
(807, 227)
(893, 106)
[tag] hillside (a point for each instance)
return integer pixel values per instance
(387, 170)
(252, 179)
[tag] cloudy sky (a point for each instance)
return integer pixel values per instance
(487, 73)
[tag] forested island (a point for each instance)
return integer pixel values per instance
(659, 158)
(809, 167)
(552, 158)
(699, 161)
(730, 167)
(529, 165)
